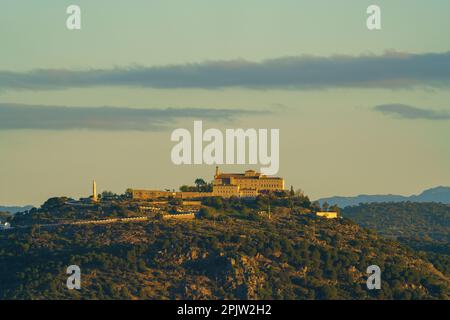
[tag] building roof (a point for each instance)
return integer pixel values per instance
(248, 174)
(243, 176)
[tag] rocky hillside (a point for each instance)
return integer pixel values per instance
(290, 256)
(424, 227)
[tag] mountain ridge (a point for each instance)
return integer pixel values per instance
(15, 209)
(436, 194)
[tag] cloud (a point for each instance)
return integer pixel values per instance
(410, 112)
(40, 117)
(389, 70)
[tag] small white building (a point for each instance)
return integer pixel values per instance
(327, 214)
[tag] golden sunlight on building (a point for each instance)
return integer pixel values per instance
(248, 184)
(226, 185)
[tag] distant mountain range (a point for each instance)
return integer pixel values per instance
(13, 209)
(438, 194)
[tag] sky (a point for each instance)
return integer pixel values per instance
(359, 111)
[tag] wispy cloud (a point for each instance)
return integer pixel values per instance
(409, 112)
(390, 70)
(40, 117)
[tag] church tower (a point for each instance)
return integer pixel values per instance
(94, 191)
(217, 172)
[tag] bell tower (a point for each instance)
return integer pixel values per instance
(217, 172)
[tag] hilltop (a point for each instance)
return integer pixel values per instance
(231, 251)
(438, 194)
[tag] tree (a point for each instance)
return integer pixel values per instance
(328, 293)
(108, 194)
(206, 213)
(54, 203)
(200, 183)
(315, 206)
(129, 193)
(4, 216)
(335, 208)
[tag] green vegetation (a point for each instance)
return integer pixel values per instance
(424, 227)
(62, 210)
(5, 216)
(405, 219)
(233, 251)
(200, 186)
